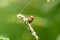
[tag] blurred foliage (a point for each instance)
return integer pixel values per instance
(46, 22)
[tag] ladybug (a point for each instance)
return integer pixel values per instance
(30, 19)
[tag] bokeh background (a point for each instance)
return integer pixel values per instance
(46, 19)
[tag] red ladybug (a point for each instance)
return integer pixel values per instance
(30, 19)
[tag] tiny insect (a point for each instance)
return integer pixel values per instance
(30, 19)
(24, 19)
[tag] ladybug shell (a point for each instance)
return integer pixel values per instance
(30, 19)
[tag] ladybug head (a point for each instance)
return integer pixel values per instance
(32, 17)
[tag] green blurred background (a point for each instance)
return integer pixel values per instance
(46, 19)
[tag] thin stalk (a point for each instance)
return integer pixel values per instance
(32, 31)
